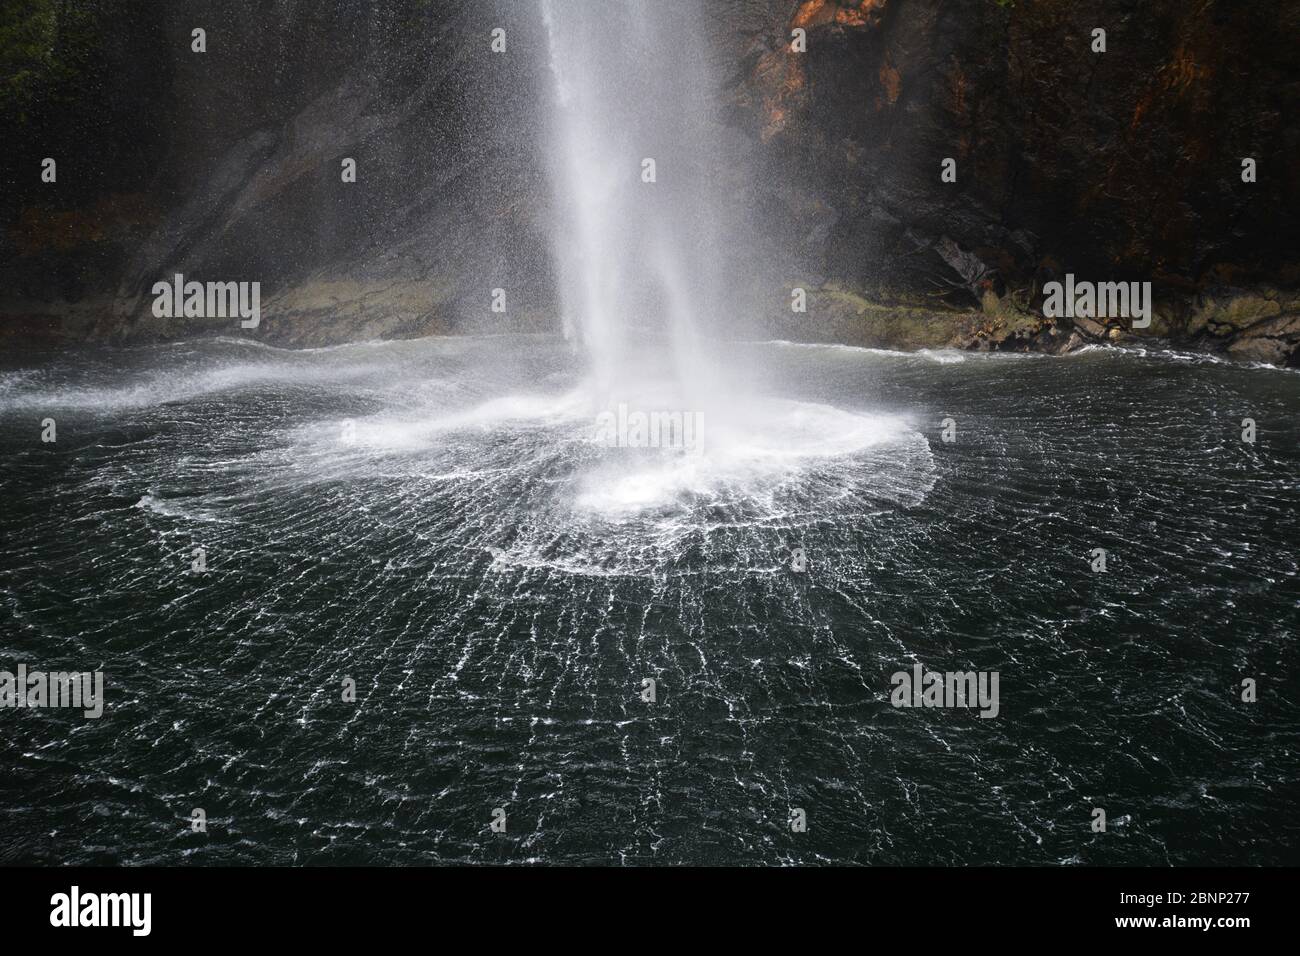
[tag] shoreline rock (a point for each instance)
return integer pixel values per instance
(1247, 325)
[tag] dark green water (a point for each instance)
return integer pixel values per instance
(498, 589)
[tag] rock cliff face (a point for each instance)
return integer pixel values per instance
(1123, 165)
(1117, 166)
(247, 183)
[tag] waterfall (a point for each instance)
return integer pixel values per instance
(637, 260)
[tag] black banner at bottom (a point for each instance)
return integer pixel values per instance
(338, 905)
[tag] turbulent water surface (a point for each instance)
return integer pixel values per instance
(434, 521)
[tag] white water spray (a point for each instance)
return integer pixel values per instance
(638, 259)
(640, 253)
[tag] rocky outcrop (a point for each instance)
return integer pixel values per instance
(1120, 165)
(1260, 325)
(442, 211)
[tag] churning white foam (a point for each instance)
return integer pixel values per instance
(745, 452)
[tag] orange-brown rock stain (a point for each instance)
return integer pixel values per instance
(815, 13)
(781, 75)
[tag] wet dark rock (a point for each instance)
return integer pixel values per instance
(1116, 166)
